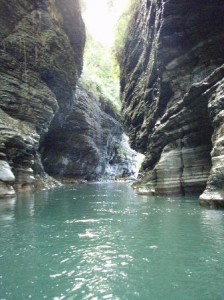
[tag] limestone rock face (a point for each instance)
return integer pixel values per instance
(172, 92)
(87, 144)
(6, 179)
(41, 54)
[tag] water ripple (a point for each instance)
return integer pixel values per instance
(109, 244)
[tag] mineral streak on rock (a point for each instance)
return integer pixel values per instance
(172, 92)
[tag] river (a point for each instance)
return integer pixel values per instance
(103, 241)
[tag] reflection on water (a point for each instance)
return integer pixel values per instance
(7, 207)
(102, 241)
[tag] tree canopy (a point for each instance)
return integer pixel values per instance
(101, 69)
(101, 73)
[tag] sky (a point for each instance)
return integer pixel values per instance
(100, 20)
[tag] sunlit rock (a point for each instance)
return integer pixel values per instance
(7, 179)
(6, 172)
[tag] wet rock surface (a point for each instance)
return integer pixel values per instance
(7, 178)
(41, 54)
(172, 93)
(87, 144)
(46, 126)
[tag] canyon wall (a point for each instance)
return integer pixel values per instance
(41, 54)
(87, 144)
(172, 88)
(41, 57)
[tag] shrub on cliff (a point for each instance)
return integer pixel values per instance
(100, 76)
(121, 31)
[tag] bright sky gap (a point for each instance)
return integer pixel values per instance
(100, 20)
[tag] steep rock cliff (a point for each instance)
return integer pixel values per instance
(46, 126)
(87, 143)
(172, 92)
(41, 54)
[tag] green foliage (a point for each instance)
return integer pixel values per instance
(101, 74)
(121, 31)
(101, 70)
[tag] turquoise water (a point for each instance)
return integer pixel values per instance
(102, 241)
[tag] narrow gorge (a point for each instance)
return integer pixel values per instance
(172, 70)
(49, 125)
(111, 149)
